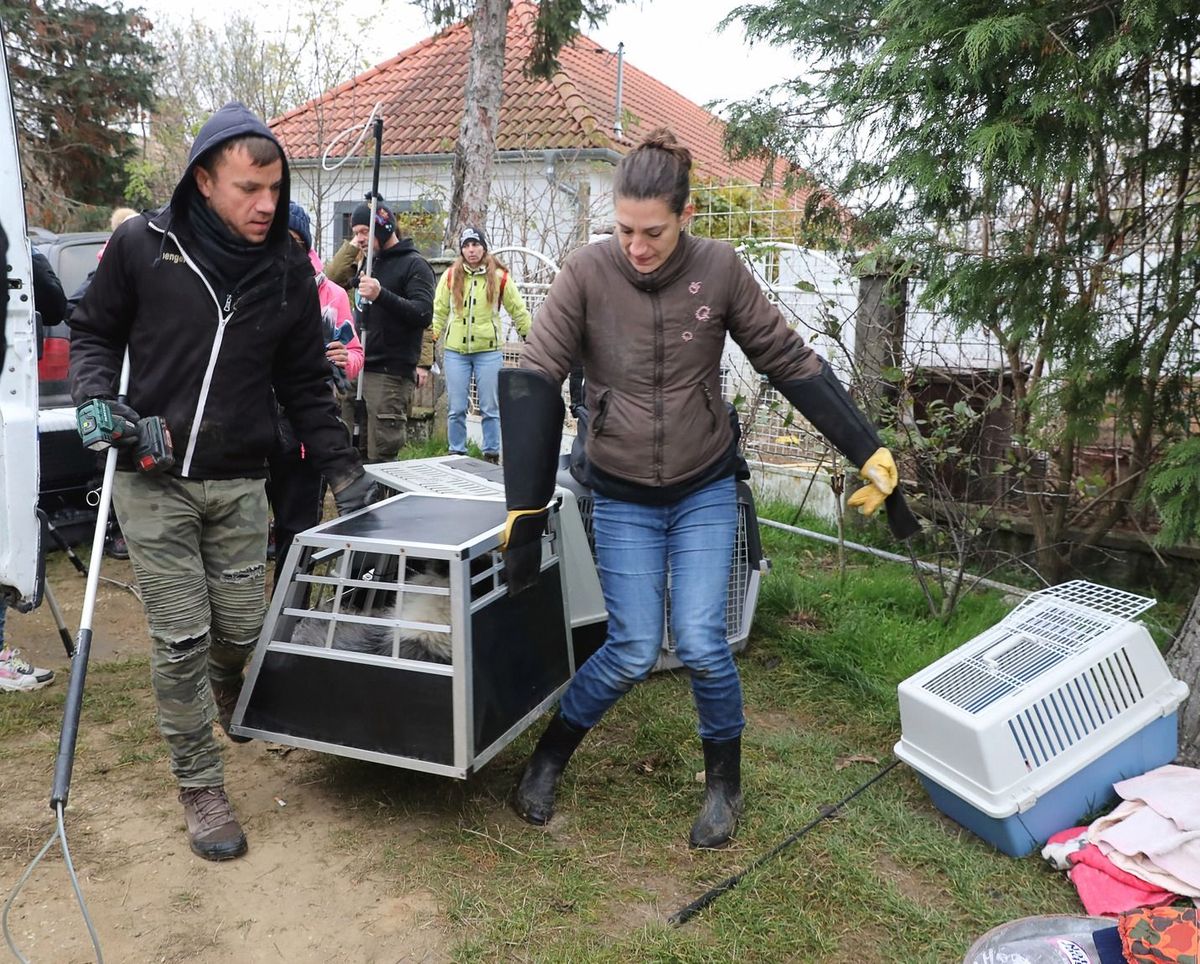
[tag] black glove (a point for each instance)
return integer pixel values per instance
(353, 493)
(127, 413)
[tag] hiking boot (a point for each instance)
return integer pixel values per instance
(19, 675)
(213, 830)
(225, 695)
(534, 796)
(722, 794)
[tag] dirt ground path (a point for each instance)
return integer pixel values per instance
(300, 894)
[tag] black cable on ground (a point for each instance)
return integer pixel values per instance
(685, 914)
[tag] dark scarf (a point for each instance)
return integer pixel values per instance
(226, 259)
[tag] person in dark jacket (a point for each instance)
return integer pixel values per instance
(216, 311)
(396, 306)
(49, 300)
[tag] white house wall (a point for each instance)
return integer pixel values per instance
(528, 208)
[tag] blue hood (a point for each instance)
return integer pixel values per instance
(232, 120)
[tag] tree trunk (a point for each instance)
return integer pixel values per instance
(1184, 660)
(475, 152)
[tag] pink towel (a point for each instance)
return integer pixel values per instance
(1106, 889)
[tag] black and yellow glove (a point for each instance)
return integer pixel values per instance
(531, 416)
(522, 547)
(824, 401)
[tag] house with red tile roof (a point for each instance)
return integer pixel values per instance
(557, 144)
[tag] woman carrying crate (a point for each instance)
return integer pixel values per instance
(648, 313)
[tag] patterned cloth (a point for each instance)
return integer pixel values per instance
(1165, 935)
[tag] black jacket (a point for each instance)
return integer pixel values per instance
(396, 321)
(48, 297)
(213, 369)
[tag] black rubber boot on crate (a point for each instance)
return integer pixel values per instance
(722, 794)
(533, 798)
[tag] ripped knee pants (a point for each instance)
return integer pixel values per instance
(199, 552)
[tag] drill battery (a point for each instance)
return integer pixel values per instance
(154, 451)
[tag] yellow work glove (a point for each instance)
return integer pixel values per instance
(882, 478)
(522, 547)
(513, 522)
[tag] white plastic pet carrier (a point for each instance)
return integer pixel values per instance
(1024, 729)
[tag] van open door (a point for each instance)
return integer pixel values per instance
(20, 530)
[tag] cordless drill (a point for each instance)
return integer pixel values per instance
(100, 427)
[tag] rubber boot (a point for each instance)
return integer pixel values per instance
(534, 796)
(722, 794)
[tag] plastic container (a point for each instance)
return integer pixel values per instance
(1022, 731)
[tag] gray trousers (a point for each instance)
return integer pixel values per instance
(199, 550)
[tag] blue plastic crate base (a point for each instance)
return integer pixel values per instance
(1085, 794)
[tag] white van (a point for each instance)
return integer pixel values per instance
(20, 531)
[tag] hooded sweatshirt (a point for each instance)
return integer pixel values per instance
(211, 350)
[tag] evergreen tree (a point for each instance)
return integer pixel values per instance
(82, 75)
(1038, 160)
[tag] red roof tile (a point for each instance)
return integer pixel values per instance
(420, 91)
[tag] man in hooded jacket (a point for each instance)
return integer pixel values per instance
(400, 295)
(219, 315)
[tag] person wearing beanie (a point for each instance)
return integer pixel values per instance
(300, 225)
(466, 309)
(216, 310)
(395, 305)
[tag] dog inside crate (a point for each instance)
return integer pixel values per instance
(420, 596)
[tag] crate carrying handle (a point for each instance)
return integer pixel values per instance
(991, 656)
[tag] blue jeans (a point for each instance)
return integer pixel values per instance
(486, 367)
(636, 546)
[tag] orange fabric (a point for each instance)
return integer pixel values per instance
(1164, 935)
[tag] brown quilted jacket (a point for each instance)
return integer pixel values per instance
(651, 347)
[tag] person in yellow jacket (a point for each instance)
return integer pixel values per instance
(466, 310)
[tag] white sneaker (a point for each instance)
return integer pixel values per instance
(17, 673)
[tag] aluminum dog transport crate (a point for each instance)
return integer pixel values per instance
(1022, 731)
(392, 638)
(458, 474)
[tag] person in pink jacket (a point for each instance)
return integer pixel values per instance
(335, 313)
(295, 488)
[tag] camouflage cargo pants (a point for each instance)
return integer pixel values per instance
(199, 552)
